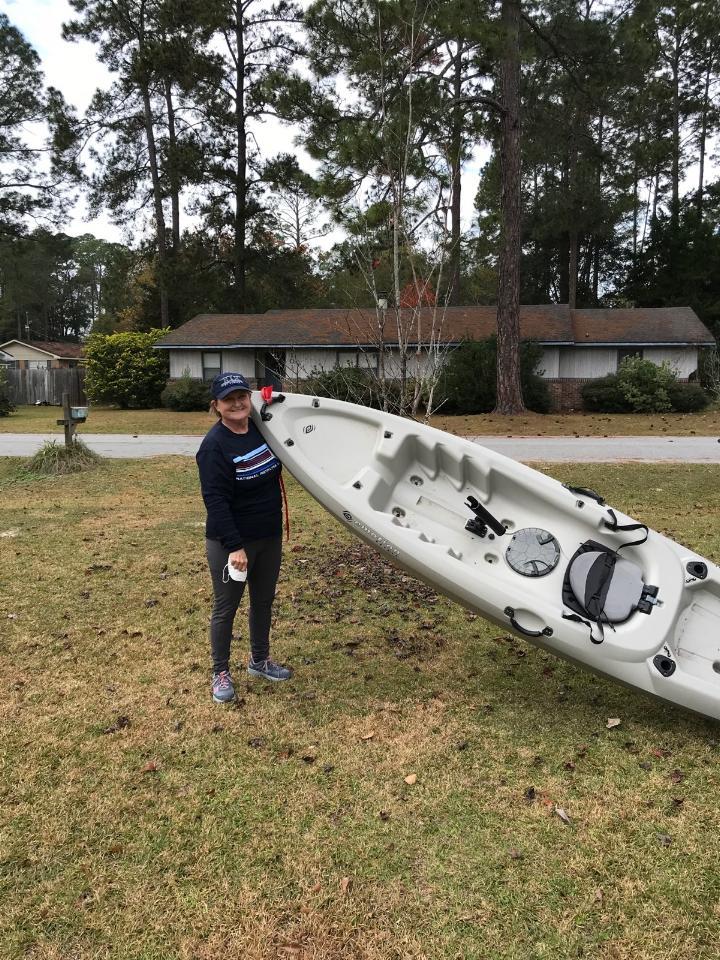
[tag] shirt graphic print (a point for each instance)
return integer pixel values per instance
(255, 464)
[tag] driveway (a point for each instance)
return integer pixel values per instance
(529, 449)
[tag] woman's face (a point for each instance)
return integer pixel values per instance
(234, 409)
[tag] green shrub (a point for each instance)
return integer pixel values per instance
(6, 405)
(646, 385)
(469, 378)
(709, 371)
(123, 368)
(186, 394)
(641, 386)
(603, 395)
(688, 397)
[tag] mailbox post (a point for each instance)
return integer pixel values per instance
(72, 416)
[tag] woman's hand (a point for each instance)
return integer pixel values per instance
(238, 559)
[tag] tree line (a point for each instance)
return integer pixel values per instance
(600, 118)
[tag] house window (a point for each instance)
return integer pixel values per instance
(625, 352)
(211, 366)
(369, 360)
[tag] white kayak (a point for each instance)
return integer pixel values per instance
(548, 562)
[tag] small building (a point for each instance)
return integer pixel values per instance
(42, 355)
(284, 347)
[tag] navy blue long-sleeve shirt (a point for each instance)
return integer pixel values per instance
(240, 482)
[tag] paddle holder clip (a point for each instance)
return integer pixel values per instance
(267, 394)
(482, 520)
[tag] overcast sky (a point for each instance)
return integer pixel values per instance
(74, 70)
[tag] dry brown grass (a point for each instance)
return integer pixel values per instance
(138, 820)
(111, 420)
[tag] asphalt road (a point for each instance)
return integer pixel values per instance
(528, 449)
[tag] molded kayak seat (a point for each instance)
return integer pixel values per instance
(602, 586)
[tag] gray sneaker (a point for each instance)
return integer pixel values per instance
(268, 669)
(223, 690)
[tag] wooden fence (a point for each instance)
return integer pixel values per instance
(47, 386)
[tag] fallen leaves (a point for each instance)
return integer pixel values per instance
(613, 722)
(345, 886)
(411, 779)
(121, 723)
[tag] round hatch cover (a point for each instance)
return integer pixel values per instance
(533, 552)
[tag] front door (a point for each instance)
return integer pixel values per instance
(273, 369)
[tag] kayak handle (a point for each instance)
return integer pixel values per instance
(545, 632)
(269, 398)
(585, 492)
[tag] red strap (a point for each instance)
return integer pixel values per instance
(267, 394)
(287, 511)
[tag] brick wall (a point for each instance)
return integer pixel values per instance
(565, 393)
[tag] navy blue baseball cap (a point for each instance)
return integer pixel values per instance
(226, 383)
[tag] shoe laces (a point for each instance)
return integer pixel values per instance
(222, 680)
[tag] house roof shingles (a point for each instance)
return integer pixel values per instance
(661, 325)
(549, 324)
(63, 351)
(343, 327)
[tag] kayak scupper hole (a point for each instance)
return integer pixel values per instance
(357, 485)
(416, 481)
(508, 524)
(491, 557)
(398, 512)
(716, 666)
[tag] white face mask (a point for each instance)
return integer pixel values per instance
(232, 573)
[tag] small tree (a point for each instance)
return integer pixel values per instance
(6, 405)
(468, 383)
(123, 368)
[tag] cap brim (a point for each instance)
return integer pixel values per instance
(226, 393)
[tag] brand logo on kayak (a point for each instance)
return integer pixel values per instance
(370, 534)
(309, 428)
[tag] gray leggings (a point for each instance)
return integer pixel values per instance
(263, 569)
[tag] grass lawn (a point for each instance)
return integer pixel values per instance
(138, 821)
(111, 420)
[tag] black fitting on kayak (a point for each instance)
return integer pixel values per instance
(585, 492)
(264, 415)
(482, 520)
(697, 569)
(664, 665)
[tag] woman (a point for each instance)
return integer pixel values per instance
(240, 481)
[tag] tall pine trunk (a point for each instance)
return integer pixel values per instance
(455, 161)
(703, 137)
(509, 389)
(173, 167)
(239, 249)
(157, 200)
(675, 169)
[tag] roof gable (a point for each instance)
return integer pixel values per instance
(61, 351)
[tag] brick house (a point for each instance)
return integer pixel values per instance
(284, 346)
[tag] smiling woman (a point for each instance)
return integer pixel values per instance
(240, 480)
